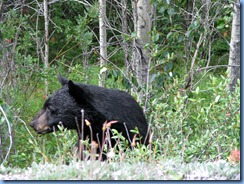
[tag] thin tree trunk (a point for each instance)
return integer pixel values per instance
(234, 58)
(125, 31)
(1, 10)
(191, 75)
(142, 10)
(103, 42)
(46, 39)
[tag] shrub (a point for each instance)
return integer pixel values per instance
(200, 125)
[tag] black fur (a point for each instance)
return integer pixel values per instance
(99, 104)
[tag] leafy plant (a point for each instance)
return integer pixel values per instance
(202, 125)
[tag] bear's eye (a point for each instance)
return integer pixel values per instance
(51, 109)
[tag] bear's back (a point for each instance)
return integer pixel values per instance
(117, 105)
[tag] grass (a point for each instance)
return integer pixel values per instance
(171, 169)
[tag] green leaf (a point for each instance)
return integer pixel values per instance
(168, 35)
(188, 33)
(197, 90)
(217, 99)
(171, 11)
(220, 26)
(134, 35)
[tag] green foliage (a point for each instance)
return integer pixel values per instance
(6, 139)
(224, 22)
(199, 125)
(202, 125)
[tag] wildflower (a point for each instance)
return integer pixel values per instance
(234, 156)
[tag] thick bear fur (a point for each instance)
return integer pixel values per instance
(99, 105)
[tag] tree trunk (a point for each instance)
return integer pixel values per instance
(124, 26)
(1, 11)
(46, 39)
(234, 58)
(103, 42)
(142, 10)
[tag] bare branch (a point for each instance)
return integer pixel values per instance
(9, 132)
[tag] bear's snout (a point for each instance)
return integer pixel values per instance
(40, 124)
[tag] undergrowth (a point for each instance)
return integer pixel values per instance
(198, 126)
(170, 169)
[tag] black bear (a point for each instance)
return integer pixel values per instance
(99, 105)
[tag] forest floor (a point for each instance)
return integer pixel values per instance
(95, 170)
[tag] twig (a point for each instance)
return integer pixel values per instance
(217, 66)
(148, 129)
(89, 125)
(82, 124)
(127, 132)
(131, 83)
(10, 135)
(22, 121)
(99, 144)
(78, 127)
(80, 144)
(190, 79)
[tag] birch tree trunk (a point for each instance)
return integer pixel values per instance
(1, 11)
(142, 10)
(103, 42)
(234, 58)
(124, 26)
(46, 39)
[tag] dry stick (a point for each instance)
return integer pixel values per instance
(147, 86)
(108, 137)
(79, 139)
(10, 135)
(81, 146)
(209, 69)
(93, 146)
(217, 66)
(127, 132)
(148, 129)
(89, 125)
(78, 127)
(64, 52)
(22, 121)
(103, 141)
(190, 79)
(150, 145)
(99, 144)
(82, 124)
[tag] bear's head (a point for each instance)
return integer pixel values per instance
(60, 108)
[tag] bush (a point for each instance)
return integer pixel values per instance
(200, 125)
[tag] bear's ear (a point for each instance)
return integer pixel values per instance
(77, 92)
(63, 81)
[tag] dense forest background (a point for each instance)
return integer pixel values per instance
(173, 56)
